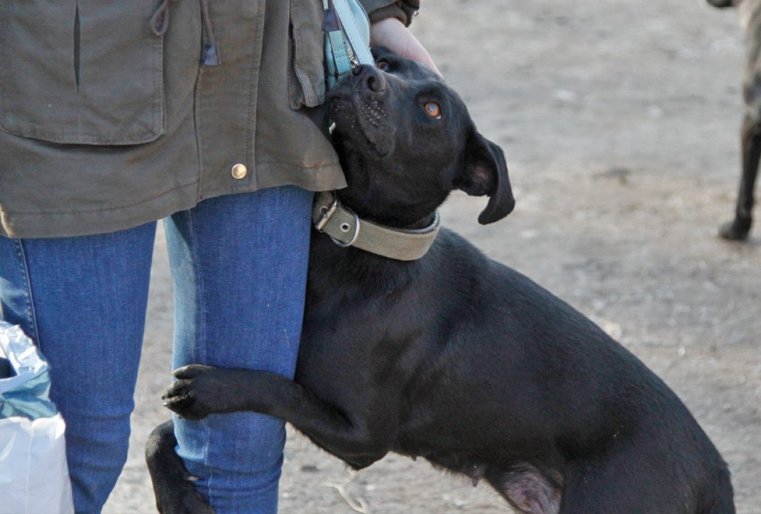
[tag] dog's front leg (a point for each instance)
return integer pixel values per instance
(203, 390)
(737, 229)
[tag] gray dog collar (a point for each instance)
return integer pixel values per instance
(345, 228)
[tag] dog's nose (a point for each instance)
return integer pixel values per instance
(371, 78)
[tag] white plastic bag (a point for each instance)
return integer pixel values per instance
(34, 478)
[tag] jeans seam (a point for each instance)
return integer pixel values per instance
(201, 329)
(31, 316)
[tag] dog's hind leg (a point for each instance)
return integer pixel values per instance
(737, 229)
(602, 488)
(172, 485)
(647, 476)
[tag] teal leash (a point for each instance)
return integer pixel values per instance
(347, 38)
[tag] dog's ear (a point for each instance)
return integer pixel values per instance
(485, 173)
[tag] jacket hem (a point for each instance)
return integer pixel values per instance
(98, 221)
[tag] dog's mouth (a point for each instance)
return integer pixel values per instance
(364, 121)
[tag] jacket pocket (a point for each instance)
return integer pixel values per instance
(81, 71)
(306, 78)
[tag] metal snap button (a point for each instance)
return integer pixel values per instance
(239, 171)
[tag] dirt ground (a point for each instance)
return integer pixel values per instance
(620, 121)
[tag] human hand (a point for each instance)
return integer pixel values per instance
(392, 34)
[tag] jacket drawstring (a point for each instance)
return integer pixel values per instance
(160, 24)
(160, 19)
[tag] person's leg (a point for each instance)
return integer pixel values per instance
(239, 264)
(83, 301)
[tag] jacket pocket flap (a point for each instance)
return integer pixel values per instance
(81, 72)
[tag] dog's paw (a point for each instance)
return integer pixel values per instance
(721, 4)
(195, 393)
(735, 230)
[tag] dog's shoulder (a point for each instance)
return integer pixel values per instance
(454, 255)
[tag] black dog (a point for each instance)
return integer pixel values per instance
(750, 133)
(454, 357)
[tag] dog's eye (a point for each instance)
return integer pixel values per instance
(382, 65)
(433, 110)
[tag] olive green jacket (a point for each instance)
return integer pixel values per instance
(109, 119)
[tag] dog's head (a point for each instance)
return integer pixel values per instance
(406, 140)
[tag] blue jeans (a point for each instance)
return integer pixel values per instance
(239, 270)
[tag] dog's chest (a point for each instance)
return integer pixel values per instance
(348, 345)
